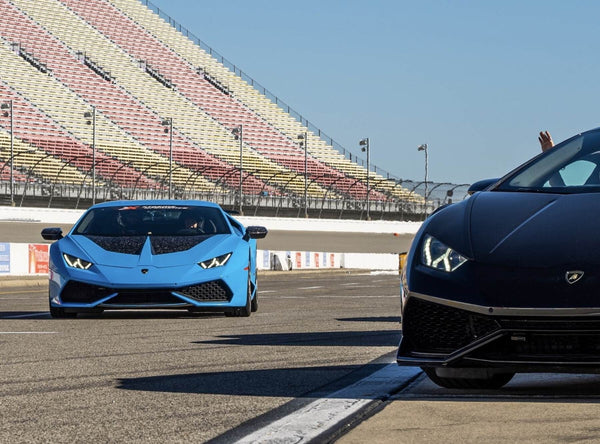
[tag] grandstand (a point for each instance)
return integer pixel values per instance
(169, 118)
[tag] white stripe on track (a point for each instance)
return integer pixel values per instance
(319, 416)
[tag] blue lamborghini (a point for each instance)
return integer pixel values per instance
(154, 254)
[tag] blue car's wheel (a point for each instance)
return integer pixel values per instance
(243, 312)
(254, 303)
(60, 313)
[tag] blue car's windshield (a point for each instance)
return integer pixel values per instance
(158, 220)
(571, 167)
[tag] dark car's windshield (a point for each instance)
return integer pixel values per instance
(571, 167)
(159, 220)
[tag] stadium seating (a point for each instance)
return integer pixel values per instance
(131, 75)
(61, 59)
(198, 85)
(259, 103)
(112, 101)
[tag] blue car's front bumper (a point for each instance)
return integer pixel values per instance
(188, 287)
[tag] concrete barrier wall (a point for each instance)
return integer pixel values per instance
(18, 259)
(32, 259)
(60, 216)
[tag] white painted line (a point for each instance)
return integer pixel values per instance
(319, 416)
(266, 291)
(385, 272)
(310, 288)
(44, 313)
(349, 283)
(28, 332)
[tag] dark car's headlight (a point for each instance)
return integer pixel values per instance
(76, 262)
(218, 261)
(439, 256)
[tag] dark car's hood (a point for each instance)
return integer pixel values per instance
(534, 229)
(522, 247)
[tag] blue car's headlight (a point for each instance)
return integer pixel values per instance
(76, 262)
(439, 256)
(218, 261)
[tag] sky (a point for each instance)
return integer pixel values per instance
(474, 80)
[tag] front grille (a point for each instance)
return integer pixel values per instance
(82, 293)
(542, 347)
(146, 297)
(79, 292)
(551, 324)
(214, 291)
(431, 327)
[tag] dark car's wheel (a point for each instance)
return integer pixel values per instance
(492, 382)
(243, 312)
(60, 313)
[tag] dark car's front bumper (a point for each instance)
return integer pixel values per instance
(443, 333)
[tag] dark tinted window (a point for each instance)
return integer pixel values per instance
(571, 167)
(159, 220)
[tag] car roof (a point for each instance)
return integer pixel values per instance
(165, 202)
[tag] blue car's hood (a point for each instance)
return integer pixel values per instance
(154, 251)
(527, 229)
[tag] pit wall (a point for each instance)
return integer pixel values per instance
(62, 216)
(19, 259)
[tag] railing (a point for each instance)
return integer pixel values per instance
(53, 193)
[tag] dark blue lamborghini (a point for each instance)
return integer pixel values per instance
(154, 254)
(508, 280)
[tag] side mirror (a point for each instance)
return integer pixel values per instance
(256, 232)
(481, 185)
(52, 233)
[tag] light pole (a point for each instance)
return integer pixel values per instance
(92, 122)
(424, 148)
(303, 138)
(9, 106)
(238, 133)
(168, 124)
(364, 143)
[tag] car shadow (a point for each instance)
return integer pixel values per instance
(180, 314)
(530, 387)
(395, 319)
(377, 338)
(295, 382)
(23, 315)
(149, 314)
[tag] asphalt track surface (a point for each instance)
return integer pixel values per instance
(165, 376)
(174, 377)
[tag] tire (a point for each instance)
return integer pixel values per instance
(243, 312)
(493, 382)
(60, 313)
(254, 303)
